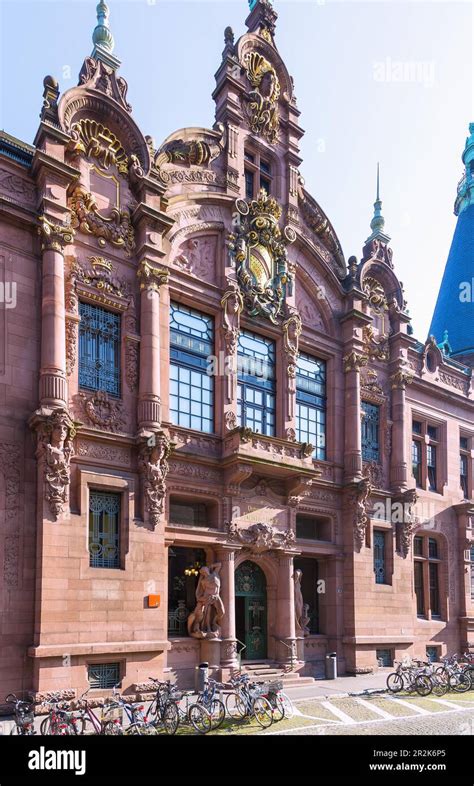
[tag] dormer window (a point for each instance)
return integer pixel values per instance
(258, 174)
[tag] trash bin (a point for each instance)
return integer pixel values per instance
(201, 676)
(331, 666)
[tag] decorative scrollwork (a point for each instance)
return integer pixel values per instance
(262, 107)
(259, 254)
(116, 228)
(94, 140)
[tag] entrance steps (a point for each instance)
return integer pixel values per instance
(267, 671)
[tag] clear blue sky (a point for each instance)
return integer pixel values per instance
(345, 58)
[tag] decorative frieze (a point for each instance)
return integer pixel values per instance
(260, 538)
(100, 411)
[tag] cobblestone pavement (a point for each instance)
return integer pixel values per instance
(382, 715)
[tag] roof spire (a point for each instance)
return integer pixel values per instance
(377, 224)
(262, 16)
(102, 37)
(465, 195)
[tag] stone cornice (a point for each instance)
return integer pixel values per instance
(43, 162)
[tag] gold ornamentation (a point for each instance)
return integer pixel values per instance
(375, 346)
(152, 278)
(94, 140)
(354, 362)
(54, 236)
(401, 378)
(116, 229)
(263, 99)
(258, 252)
(375, 293)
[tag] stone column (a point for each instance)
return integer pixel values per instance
(53, 384)
(149, 403)
(232, 306)
(285, 609)
(229, 659)
(398, 455)
(352, 433)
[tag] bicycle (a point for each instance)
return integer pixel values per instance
(167, 710)
(212, 703)
(59, 721)
(88, 722)
(410, 678)
(281, 703)
(24, 716)
(459, 679)
(246, 701)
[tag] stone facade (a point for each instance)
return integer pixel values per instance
(95, 213)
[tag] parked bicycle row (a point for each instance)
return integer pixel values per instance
(425, 677)
(169, 709)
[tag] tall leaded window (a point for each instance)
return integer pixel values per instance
(379, 556)
(370, 432)
(191, 387)
(256, 383)
(416, 461)
(426, 552)
(104, 528)
(99, 349)
(311, 403)
(464, 466)
(431, 464)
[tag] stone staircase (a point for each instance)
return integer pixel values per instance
(267, 671)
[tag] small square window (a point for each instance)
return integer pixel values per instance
(103, 675)
(416, 427)
(433, 548)
(463, 443)
(384, 657)
(432, 654)
(433, 432)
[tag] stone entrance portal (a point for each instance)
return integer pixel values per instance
(251, 610)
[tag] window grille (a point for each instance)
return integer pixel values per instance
(104, 518)
(379, 556)
(103, 675)
(370, 432)
(99, 349)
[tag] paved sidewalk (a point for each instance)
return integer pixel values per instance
(342, 686)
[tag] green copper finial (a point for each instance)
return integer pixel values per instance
(378, 222)
(102, 37)
(444, 345)
(465, 195)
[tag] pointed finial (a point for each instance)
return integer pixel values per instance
(378, 222)
(102, 37)
(378, 181)
(465, 195)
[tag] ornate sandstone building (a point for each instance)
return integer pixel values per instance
(218, 438)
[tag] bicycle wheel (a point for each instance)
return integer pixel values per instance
(217, 713)
(235, 706)
(135, 729)
(286, 705)
(394, 682)
(277, 706)
(440, 686)
(423, 685)
(45, 726)
(461, 682)
(200, 718)
(262, 711)
(170, 718)
(112, 728)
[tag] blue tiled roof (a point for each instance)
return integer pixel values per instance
(454, 309)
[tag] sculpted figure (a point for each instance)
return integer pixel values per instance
(205, 621)
(301, 609)
(55, 446)
(153, 467)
